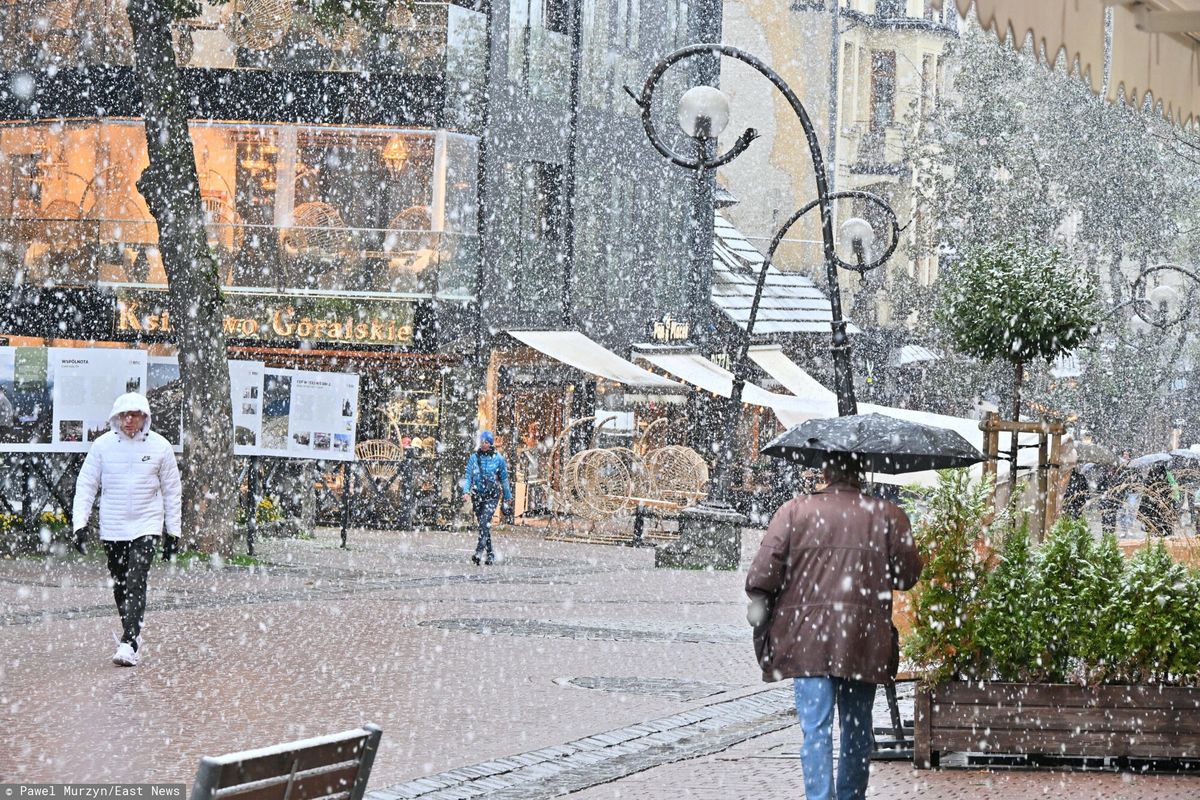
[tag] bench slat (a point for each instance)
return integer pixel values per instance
(276, 764)
(325, 783)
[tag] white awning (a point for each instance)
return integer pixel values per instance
(911, 354)
(791, 376)
(1155, 44)
(698, 371)
(576, 350)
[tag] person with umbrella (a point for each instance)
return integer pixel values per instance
(821, 584)
(1157, 505)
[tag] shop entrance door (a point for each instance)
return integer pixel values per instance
(529, 422)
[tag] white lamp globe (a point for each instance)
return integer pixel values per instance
(857, 230)
(703, 112)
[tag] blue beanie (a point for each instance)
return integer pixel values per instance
(486, 436)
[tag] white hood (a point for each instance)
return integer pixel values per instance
(132, 401)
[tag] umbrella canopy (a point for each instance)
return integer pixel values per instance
(1148, 460)
(1186, 457)
(875, 443)
(1091, 453)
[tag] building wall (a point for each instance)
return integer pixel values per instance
(799, 40)
(774, 177)
(585, 213)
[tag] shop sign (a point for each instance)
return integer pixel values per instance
(282, 318)
(666, 329)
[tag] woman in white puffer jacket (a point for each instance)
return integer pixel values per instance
(134, 468)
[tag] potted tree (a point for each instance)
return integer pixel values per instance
(1064, 648)
(1017, 302)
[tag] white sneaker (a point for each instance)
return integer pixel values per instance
(125, 656)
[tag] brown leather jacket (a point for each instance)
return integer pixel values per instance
(822, 585)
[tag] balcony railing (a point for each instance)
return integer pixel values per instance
(314, 259)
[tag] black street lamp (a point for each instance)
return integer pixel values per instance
(703, 114)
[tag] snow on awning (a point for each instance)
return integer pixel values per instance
(911, 354)
(576, 350)
(791, 303)
(791, 376)
(1066, 366)
(695, 369)
(1155, 44)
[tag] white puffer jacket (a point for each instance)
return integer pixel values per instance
(137, 477)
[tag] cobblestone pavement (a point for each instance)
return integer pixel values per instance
(567, 669)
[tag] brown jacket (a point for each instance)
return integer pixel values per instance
(824, 576)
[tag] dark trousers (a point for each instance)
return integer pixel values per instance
(485, 507)
(129, 564)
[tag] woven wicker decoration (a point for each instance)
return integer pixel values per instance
(318, 232)
(63, 229)
(597, 484)
(260, 24)
(677, 473)
(223, 225)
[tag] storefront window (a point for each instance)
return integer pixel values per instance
(258, 34)
(288, 207)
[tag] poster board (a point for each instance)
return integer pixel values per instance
(57, 400)
(292, 413)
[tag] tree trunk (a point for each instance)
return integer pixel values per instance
(172, 191)
(1014, 447)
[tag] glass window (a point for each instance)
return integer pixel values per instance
(554, 15)
(883, 89)
(257, 34)
(890, 9)
(286, 206)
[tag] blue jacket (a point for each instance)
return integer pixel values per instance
(486, 472)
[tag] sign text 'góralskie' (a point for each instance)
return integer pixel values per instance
(280, 319)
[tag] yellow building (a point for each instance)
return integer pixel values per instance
(867, 71)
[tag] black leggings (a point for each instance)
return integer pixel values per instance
(128, 564)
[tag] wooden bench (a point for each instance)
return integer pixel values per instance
(335, 767)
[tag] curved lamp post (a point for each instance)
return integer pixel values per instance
(703, 114)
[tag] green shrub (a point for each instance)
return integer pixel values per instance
(1008, 600)
(1098, 614)
(949, 532)
(1157, 609)
(1057, 612)
(1071, 609)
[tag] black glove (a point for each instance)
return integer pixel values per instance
(170, 546)
(81, 537)
(506, 511)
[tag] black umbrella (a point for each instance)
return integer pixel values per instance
(875, 443)
(1148, 460)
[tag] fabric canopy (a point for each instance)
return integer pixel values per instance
(576, 350)
(773, 361)
(1154, 44)
(698, 371)
(911, 354)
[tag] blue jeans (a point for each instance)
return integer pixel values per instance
(485, 507)
(815, 701)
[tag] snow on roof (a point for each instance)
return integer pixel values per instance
(791, 303)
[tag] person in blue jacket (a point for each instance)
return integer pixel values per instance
(485, 481)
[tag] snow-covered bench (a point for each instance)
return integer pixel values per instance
(335, 767)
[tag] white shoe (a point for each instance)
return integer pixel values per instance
(125, 656)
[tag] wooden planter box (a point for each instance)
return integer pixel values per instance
(1056, 719)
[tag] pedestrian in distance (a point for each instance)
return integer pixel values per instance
(1157, 505)
(485, 482)
(135, 470)
(820, 593)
